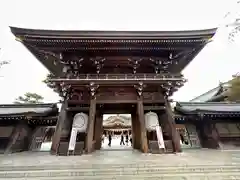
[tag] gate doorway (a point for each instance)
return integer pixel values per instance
(117, 132)
(114, 123)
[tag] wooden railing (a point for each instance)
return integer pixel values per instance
(123, 77)
(126, 76)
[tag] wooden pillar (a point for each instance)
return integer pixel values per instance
(135, 137)
(98, 130)
(173, 130)
(20, 138)
(141, 118)
(58, 131)
(215, 135)
(90, 128)
(209, 135)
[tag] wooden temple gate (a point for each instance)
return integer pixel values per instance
(97, 72)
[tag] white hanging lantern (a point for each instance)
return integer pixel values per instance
(151, 121)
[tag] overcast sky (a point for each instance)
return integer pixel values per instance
(217, 62)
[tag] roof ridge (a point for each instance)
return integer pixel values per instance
(42, 32)
(219, 86)
(27, 105)
(208, 103)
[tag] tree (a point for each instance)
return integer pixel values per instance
(2, 63)
(234, 16)
(47, 80)
(28, 97)
(234, 89)
(49, 83)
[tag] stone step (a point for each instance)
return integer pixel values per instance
(180, 176)
(121, 171)
(113, 166)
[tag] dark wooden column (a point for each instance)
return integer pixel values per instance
(141, 118)
(136, 133)
(58, 131)
(20, 138)
(133, 122)
(215, 135)
(98, 130)
(90, 127)
(172, 125)
(209, 135)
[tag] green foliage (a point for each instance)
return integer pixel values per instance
(28, 97)
(49, 83)
(234, 89)
(48, 77)
(47, 80)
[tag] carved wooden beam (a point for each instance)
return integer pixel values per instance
(176, 56)
(135, 62)
(170, 87)
(139, 87)
(180, 57)
(93, 88)
(65, 90)
(98, 62)
(161, 65)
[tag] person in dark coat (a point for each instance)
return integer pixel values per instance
(130, 139)
(122, 140)
(127, 138)
(109, 139)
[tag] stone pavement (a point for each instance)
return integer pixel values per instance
(188, 157)
(128, 164)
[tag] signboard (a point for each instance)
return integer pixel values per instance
(73, 138)
(80, 122)
(161, 144)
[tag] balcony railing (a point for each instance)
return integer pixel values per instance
(126, 77)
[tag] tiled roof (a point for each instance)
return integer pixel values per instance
(19, 109)
(208, 107)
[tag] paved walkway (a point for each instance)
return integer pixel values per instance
(115, 145)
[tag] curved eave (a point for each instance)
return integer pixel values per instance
(187, 59)
(208, 33)
(48, 63)
(41, 105)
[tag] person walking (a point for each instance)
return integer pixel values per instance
(122, 140)
(127, 138)
(103, 137)
(130, 139)
(109, 139)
